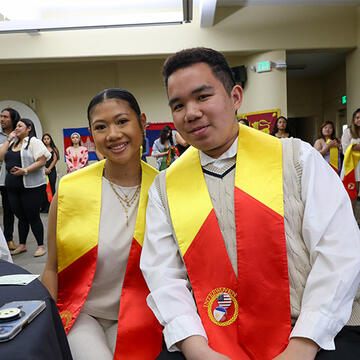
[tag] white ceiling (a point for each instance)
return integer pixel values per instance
(287, 2)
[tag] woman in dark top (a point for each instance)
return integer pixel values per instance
(25, 158)
(50, 169)
(281, 128)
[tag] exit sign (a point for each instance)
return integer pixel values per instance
(343, 99)
(263, 66)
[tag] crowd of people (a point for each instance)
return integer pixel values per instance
(244, 247)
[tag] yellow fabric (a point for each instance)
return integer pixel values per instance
(258, 154)
(79, 197)
(334, 156)
(185, 180)
(351, 159)
(148, 175)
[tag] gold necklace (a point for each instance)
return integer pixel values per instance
(126, 203)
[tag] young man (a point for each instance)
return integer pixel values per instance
(8, 120)
(251, 249)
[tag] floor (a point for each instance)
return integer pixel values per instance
(27, 259)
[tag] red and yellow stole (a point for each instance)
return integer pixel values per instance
(334, 157)
(245, 317)
(351, 160)
(139, 334)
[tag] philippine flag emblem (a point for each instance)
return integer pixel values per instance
(222, 307)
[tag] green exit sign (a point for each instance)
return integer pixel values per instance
(263, 66)
(343, 99)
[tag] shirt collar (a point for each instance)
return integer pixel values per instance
(229, 153)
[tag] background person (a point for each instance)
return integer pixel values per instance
(181, 144)
(161, 148)
(8, 120)
(244, 122)
(145, 146)
(326, 142)
(50, 169)
(101, 210)
(76, 155)
(25, 158)
(351, 137)
(281, 128)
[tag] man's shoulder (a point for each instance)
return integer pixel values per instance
(3, 137)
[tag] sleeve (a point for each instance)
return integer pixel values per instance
(164, 271)
(156, 147)
(346, 139)
(39, 149)
(332, 237)
(84, 156)
(69, 160)
(173, 134)
(4, 250)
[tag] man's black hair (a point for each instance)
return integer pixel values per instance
(188, 57)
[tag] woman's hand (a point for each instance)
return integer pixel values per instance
(47, 171)
(333, 143)
(11, 136)
(17, 171)
(356, 147)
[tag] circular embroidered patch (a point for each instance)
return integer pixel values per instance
(222, 307)
(351, 186)
(66, 317)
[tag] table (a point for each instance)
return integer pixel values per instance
(44, 338)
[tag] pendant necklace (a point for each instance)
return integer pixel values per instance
(126, 202)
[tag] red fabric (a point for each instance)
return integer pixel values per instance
(49, 193)
(264, 307)
(139, 333)
(334, 168)
(74, 284)
(263, 325)
(350, 184)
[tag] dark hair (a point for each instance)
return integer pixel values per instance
(332, 136)
(164, 135)
(275, 130)
(32, 133)
(115, 93)
(246, 121)
(52, 145)
(354, 129)
(14, 116)
(188, 57)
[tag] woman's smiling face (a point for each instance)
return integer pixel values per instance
(117, 130)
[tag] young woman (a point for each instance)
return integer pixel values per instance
(76, 155)
(281, 128)
(50, 169)
(8, 119)
(351, 137)
(25, 157)
(329, 146)
(95, 234)
(161, 148)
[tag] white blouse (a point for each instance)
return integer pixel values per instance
(115, 239)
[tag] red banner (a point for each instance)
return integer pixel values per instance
(261, 120)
